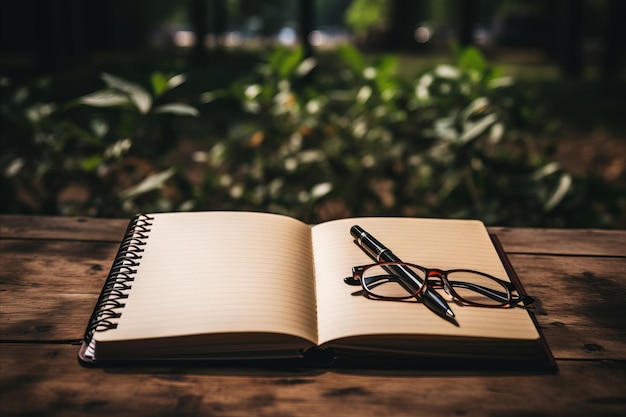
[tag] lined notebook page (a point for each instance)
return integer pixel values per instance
(215, 272)
(434, 243)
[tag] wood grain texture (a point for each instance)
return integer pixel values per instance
(584, 242)
(66, 228)
(547, 241)
(52, 384)
(53, 269)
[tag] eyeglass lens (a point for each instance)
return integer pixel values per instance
(467, 286)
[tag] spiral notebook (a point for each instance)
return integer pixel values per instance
(242, 285)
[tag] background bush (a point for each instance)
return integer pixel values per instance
(313, 138)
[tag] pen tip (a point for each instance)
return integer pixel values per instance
(449, 313)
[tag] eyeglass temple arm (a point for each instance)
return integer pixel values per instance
(488, 292)
(494, 294)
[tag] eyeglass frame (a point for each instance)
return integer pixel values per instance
(444, 283)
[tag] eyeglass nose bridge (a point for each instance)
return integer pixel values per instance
(443, 278)
(435, 273)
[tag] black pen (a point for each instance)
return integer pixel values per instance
(379, 252)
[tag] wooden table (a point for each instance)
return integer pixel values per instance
(53, 269)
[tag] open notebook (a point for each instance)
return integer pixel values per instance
(255, 285)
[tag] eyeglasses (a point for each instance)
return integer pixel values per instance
(383, 281)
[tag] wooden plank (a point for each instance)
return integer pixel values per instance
(57, 227)
(586, 242)
(46, 380)
(579, 303)
(519, 240)
(49, 288)
(579, 306)
(56, 266)
(49, 296)
(575, 290)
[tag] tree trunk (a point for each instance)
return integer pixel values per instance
(403, 21)
(198, 13)
(571, 37)
(467, 19)
(306, 19)
(613, 36)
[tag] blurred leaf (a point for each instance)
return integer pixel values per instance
(365, 14)
(496, 133)
(180, 109)
(118, 149)
(105, 98)
(306, 67)
(387, 66)
(472, 59)
(153, 182)
(20, 96)
(472, 130)
(546, 170)
(137, 94)
(14, 167)
(476, 107)
(99, 127)
(162, 84)
(39, 111)
(252, 91)
(447, 72)
(117, 83)
(565, 183)
(175, 81)
(364, 94)
(422, 89)
(353, 58)
(285, 61)
(91, 163)
(210, 96)
(320, 190)
(159, 83)
(500, 82)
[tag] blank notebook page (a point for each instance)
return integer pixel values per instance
(433, 243)
(215, 272)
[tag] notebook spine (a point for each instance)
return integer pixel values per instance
(119, 282)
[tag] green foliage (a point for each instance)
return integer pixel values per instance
(314, 138)
(457, 141)
(363, 15)
(89, 155)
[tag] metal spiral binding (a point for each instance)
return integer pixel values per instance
(120, 279)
